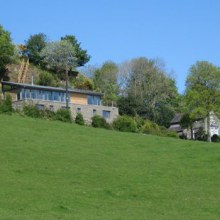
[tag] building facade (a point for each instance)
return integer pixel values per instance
(88, 103)
(199, 126)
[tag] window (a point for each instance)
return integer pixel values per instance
(78, 110)
(94, 112)
(94, 100)
(106, 114)
(40, 107)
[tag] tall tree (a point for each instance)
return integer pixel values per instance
(203, 91)
(105, 80)
(34, 45)
(6, 50)
(61, 57)
(148, 83)
(81, 55)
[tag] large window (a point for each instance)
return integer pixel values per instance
(42, 95)
(94, 100)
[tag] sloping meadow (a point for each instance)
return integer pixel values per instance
(55, 170)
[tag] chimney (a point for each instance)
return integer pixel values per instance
(32, 80)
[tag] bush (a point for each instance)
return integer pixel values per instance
(125, 123)
(32, 111)
(6, 105)
(201, 135)
(170, 134)
(99, 122)
(46, 79)
(215, 138)
(48, 114)
(140, 121)
(79, 119)
(151, 128)
(63, 115)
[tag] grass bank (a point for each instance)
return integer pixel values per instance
(54, 170)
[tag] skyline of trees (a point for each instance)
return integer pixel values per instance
(140, 86)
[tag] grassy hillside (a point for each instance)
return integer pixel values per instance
(53, 170)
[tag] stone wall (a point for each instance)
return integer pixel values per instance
(88, 111)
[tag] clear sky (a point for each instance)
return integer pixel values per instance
(179, 32)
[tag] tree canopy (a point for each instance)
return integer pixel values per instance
(151, 88)
(105, 80)
(34, 46)
(59, 55)
(80, 54)
(6, 50)
(203, 90)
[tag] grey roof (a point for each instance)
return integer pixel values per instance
(176, 119)
(176, 129)
(71, 90)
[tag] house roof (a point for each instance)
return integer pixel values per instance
(177, 128)
(176, 119)
(15, 85)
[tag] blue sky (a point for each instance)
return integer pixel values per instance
(178, 32)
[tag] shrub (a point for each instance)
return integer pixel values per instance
(32, 111)
(48, 114)
(139, 121)
(99, 122)
(125, 123)
(79, 119)
(6, 105)
(151, 128)
(201, 135)
(170, 134)
(215, 138)
(63, 115)
(46, 79)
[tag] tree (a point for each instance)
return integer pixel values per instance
(187, 121)
(34, 46)
(81, 55)
(6, 50)
(105, 80)
(46, 79)
(154, 90)
(82, 82)
(203, 91)
(61, 57)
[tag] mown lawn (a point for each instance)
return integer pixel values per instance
(54, 170)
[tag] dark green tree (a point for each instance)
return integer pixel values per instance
(35, 45)
(81, 55)
(6, 50)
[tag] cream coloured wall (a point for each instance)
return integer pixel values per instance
(80, 99)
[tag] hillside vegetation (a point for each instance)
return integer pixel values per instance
(55, 170)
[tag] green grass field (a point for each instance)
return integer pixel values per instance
(54, 170)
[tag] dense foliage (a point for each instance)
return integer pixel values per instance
(6, 50)
(63, 115)
(34, 45)
(79, 119)
(6, 105)
(125, 123)
(203, 91)
(99, 122)
(81, 55)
